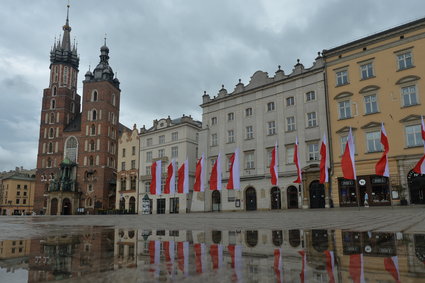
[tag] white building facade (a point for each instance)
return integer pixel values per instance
(166, 140)
(252, 119)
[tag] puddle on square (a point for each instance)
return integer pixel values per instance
(125, 255)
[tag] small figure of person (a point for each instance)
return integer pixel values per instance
(366, 199)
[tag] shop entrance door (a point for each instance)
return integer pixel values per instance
(317, 195)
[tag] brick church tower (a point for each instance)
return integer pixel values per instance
(77, 152)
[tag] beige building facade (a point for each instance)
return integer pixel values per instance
(17, 194)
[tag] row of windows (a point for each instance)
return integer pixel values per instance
(290, 101)
(409, 97)
(65, 76)
(404, 61)
(95, 97)
(133, 165)
(133, 151)
(161, 139)
(161, 153)
(132, 183)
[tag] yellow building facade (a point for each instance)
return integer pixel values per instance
(373, 80)
(17, 195)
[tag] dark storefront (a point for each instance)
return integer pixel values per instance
(416, 187)
(377, 188)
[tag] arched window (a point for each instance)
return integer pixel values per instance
(72, 107)
(52, 118)
(113, 99)
(94, 96)
(89, 202)
(52, 104)
(92, 145)
(93, 130)
(54, 92)
(65, 75)
(56, 74)
(51, 133)
(49, 162)
(94, 115)
(50, 148)
(91, 161)
(71, 149)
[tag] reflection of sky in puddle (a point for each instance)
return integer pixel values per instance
(216, 256)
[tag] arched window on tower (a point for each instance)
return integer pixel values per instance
(94, 115)
(71, 147)
(50, 148)
(55, 79)
(65, 75)
(91, 161)
(51, 133)
(93, 130)
(49, 162)
(54, 91)
(72, 107)
(113, 99)
(52, 118)
(92, 145)
(52, 104)
(94, 96)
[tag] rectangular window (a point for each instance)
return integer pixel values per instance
(213, 120)
(161, 139)
(230, 116)
(230, 136)
(344, 109)
(409, 95)
(161, 153)
(313, 151)
(249, 160)
(248, 112)
(271, 128)
(148, 170)
(123, 152)
(404, 60)
(133, 164)
(214, 140)
(17, 201)
(290, 154)
(147, 186)
(122, 166)
(249, 133)
(290, 124)
(174, 151)
(149, 142)
(149, 156)
(174, 136)
(370, 104)
(341, 78)
(413, 136)
(343, 142)
(366, 71)
(310, 96)
(311, 119)
(270, 106)
(290, 101)
(133, 150)
(373, 140)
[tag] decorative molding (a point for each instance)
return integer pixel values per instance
(407, 79)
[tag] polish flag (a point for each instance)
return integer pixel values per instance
(278, 267)
(199, 175)
(200, 257)
(170, 183)
(381, 167)
(391, 265)
(234, 178)
(215, 177)
(235, 252)
(154, 254)
(347, 161)
(216, 252)
(324, 165)
(297, 162)
(420, 166)
(155, 187)
(356, 268)
(183, 182)
(330, 264)
(303, 273)
(183, 257)
(273, 166)
(169, 255)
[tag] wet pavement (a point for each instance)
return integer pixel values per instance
(148, 249)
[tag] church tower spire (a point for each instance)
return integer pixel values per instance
(66, 39)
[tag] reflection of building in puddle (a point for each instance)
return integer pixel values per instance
(14, 254)
(125, 248)
(378, 257)
(71, 256)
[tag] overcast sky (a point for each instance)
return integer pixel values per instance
(167, 52)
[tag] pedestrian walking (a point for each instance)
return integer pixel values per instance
(366, 200)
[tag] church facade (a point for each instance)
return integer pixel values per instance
(77, 152)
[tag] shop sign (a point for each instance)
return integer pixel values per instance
(379, 180)
(347, 182)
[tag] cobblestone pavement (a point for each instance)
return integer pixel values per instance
(384, 219)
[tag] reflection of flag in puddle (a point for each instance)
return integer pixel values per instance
(356, 268)
(169, 255)
(200, 257)
(154, 253)
(278, 268)
(183, 257)
(303, 266)
(391, 265)
(235, 252)
(216, 252)
(330, 260)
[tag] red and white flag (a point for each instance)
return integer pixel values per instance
(347, 161)
(170, 183)
(235, 252)
(169, 255)
(234, 182)
(356, 268)
(324, 164)
(155, 187)
(183, 257)
(303, 274)
(183, 181)
(274, 165)
(216, 252)
(200, 257)
(391, 265)
(381, 167)
(297, 162)
(420, 166)
(154, 254)
(215, 177)
(199, 175)
(278, 265)
(330, 265)
(423, 130)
